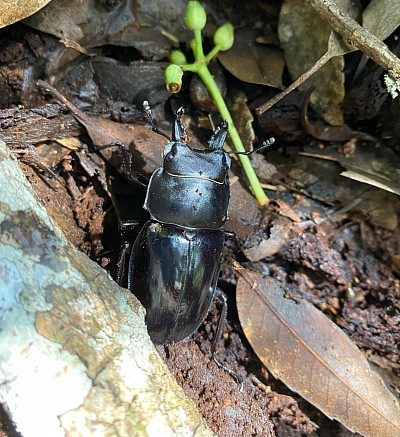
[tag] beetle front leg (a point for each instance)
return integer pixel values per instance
(221, 296)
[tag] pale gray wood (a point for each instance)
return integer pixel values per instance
(75, 357)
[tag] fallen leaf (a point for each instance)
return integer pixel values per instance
(381, 17)
(109, 137)
(326, 132)
(136, 82)
(259, 245)
(253, 62)
(242, 116)
(243, 210)
(152, 28)
(376, 166)
(285, 210)
(304, 38)
(309, 353)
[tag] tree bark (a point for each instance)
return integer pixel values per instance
(75, 357)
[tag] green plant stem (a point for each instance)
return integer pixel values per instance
(200, 67)
(209, 81)
(199, 54)
(212, 53)
(190, 67)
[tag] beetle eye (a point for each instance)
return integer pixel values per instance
(169, 156)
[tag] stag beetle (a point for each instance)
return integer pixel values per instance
(173, 264)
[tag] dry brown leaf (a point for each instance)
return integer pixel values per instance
(242, 116)
(326, 132)
(93, 23)
(382, 17)
(13, 11)
(259, 247)
(376, 166)
(285, 210)
(253, 62)
(314, 357)
(144, 145)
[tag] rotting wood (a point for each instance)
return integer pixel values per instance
(21, 127)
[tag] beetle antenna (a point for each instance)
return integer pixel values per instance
(264, 145)
(149, 115)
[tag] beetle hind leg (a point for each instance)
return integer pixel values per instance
(221, 296)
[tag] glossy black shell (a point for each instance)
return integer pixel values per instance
(191, 189)
(174, 263)
(173, 272)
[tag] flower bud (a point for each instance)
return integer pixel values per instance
(173, 78)
(223, 36)
(177, 57)
(195, 17)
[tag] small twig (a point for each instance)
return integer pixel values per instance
(319, 64)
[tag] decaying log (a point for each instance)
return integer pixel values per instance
(20, 126)
(75, 357)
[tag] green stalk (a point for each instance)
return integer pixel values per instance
(199, 44)
(214, 51)
(209, 82)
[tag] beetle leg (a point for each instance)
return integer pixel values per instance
(126, 249)
(221, 296)
(126, 229)
(126, 158)
(229, 234)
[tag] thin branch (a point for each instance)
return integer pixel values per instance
(357, 35)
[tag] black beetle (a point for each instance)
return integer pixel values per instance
(173, 265)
